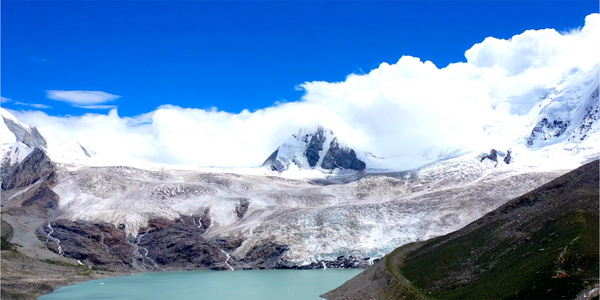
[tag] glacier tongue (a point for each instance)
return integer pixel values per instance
(364, 218)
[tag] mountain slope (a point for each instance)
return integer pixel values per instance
(543, 244)
(567, 111)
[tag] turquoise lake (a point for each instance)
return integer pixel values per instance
(249, 284)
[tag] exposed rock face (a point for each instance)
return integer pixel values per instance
(7, 230)
(43, 201)
(28, 136)
(315, 146)
(342, 262)
(267, 255)
(507, 159)
(34, 167)
(241, 207)
(341, 157)
(547, 129)
(495, 154)
(97, 244)
(492, 156)
(162, 245)
(273, 163)
(179, 245)
(85, 151)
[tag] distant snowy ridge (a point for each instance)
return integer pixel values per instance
(569, 111)
(12, 130)
(19, 139)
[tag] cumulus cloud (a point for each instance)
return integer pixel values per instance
(407, 109)
(81, 98)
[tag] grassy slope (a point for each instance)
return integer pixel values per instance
(377, 282)
(510, 270)
(541, 245)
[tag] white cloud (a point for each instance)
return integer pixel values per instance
(81, 98)
(407, 109)
(96, 106)
(34, 105)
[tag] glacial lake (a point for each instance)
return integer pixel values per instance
(247, 285)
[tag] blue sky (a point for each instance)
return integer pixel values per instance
(235, 55)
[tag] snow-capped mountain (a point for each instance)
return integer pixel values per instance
(13, 131)
(316, 148)
(19, 139)
(567, 111)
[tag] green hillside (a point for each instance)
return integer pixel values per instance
(542, 245)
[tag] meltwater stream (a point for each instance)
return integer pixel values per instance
(248, 284)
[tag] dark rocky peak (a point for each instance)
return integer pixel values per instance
(339, 156)
(29, 136)
(315, 148)
(85, 151)
(494, 155)
(37, 165)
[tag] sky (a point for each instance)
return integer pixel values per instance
(235, 55)
(198, 81)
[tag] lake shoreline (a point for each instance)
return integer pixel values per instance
(25, 277)
(249, 284)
